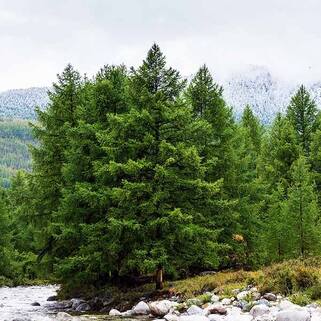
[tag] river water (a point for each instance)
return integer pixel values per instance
(16, 305)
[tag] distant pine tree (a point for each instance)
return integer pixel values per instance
(302, 113)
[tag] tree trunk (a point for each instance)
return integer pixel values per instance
(159, 278)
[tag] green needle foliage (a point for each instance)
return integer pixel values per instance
(136, 168)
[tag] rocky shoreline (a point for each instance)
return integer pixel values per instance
(245, 305)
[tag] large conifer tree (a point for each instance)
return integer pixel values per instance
(249, 190)
(135, 195)
(51, 133)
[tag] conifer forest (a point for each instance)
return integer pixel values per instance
(137, 168)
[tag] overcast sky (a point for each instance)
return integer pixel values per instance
(39, 37)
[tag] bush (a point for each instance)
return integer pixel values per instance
(278, 280)
(205, 298)
(290, 277)
(315, 292)
(305, 278)
(301, 299)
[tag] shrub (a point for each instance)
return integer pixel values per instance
(205, 298)
(301, 299)
(305, 278)
(315, 292)
(289, 277)
(278, 280)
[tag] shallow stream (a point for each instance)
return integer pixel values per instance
(16, 305)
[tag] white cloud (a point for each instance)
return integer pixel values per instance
(39, 37)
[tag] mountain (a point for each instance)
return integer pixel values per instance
(21, 103)
(266, 94)
(255, 86)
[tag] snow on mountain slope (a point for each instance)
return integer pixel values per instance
(21, 103)
(255, 87)
(265, 94)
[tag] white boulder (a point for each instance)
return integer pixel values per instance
(239, 317)
(259, 310)
(141, 308)
(243, 295)
(316, 316)
(171, 317)
(63, 316)
(287, 305)
(128, 313)
(195, 310)
(114, 313)
(293, 315)
(215, 298)
(160, 308)
(226, 301)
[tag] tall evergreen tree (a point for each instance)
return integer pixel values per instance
(248, 188)
(302, 211)
(106, 95)
(203, 92)
(279, 152)
(206, 99)
(276, 233)
(315, 159)
(253, 127)
(49, 155)
(51, 133)
(302, 113)
(280, 149)
(217, 146)
(138, 197)
(84, 201)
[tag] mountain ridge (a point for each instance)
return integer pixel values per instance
(21, 103)
(256, 86)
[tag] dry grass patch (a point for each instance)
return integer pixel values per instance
(222, 283)
(291, 276)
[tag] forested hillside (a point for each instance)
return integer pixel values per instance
(15, 137)
(17, 108)
(138, 169)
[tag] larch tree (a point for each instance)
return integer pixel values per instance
(302, 113)
(302, 211)
(49, 156)
(217, 147)
(51, 133)
(279, 152)
(84, 204)
(249, 189)
(159, 200)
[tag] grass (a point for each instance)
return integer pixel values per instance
(223, 283)
(299, 280)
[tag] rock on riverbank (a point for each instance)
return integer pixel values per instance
(245, 305)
